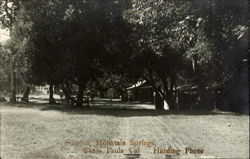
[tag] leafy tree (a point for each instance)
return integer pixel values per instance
(8, 13)
(183, 33)
(67, 40)
(214, 44)
(159, 55)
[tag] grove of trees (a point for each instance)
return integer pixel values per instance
(114, 43)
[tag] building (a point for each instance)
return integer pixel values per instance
(42, 89)
(141, 91)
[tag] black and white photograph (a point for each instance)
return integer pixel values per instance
(124, 79)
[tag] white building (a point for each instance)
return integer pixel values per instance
(42, 89)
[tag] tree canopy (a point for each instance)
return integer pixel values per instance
(112, 43)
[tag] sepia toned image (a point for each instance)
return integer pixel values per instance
(124, 79)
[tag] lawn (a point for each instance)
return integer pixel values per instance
(34, 131)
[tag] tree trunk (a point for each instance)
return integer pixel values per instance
(66, 93)
(160, 96)
(51, 94)
(159, 103)
(12, 82)
(204, 97)
(203, 92)
(171, 100)
(79, 101)
(26, 91)
(102, 94)
(25, 97)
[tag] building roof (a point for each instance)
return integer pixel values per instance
(193, 87)
(187, 87)
(140, 84)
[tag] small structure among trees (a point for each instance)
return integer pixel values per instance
(112, 44)
(141, 92)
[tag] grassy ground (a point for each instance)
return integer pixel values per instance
(34, 131)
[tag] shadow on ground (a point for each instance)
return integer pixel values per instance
(105, 108)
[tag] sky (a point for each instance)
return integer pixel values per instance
(4, 35)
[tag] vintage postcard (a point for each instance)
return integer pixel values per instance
(124, 79)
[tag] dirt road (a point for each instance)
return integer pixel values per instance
(43, 131)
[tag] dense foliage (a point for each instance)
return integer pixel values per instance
(114, 43)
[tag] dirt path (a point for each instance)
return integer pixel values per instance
(153, 129)
(34, 132)
(209, 133)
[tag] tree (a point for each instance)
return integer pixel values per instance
(160, 55)
(67, 40)
(8, 13)
(214, 44)
(176, 34)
